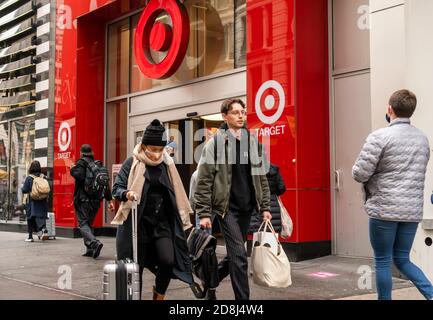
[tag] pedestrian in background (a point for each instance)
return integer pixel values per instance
(277, 188)
(150, 176)
(172, 146)
(36, 210)
(87, 204)
(392, 167)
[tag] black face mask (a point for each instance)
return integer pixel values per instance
(388, 118)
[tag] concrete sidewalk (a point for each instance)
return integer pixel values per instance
(36, 270)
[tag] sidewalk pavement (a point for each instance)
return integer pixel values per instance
(37, 271)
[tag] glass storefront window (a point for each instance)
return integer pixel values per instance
(16, 154)
(138, 81)
(4, 169)
(212, 36)
(21, 156)
(117, 131)
(138, 136)
(240, 33)
(217, 40)
(217, 43)
(118, 58)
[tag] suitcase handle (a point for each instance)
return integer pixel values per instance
(134, 230)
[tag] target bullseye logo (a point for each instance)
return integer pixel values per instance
(64, 136)
(269, 101)
(161, 37)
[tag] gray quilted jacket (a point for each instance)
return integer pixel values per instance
(392, 167)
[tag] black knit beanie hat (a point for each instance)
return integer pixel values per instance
(86, 150)
(154, 135)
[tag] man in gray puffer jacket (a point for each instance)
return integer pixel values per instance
(392, 167)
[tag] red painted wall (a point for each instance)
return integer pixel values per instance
(312, 100)
(79, 89)
(288, 43)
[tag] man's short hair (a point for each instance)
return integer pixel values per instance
(403, 102)
(228, 105)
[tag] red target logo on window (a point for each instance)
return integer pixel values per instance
(161, 37)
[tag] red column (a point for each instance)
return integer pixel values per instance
(79, 90)
(287, 75)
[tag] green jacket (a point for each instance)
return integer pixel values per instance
(214, 178)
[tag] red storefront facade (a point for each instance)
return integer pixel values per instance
(287, 95)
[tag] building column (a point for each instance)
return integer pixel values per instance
(43, 125)
(419, 79)
(388, 55)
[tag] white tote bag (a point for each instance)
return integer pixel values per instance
(270, 269)
(266, 237)
(286, 221)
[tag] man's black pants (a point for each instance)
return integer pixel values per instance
(86, 212)
(234, 227)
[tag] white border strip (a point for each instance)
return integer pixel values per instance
(43, 29)
(42, 86)
(43, 161)
(41, 143)
(42, 48)
(41, 124)
(41, 105)
(42, 67)
(44, 10)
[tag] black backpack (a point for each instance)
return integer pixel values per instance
(202, 246)
(97, 180)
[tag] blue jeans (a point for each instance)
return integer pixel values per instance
(392, 241)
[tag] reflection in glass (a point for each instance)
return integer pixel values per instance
(118, 58)
(19, 145)
(240, 33)
(117, 131)
(4, 172)
(212, 45)
(189, 147)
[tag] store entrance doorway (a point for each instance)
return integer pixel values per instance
(188, 129)
(186, 139)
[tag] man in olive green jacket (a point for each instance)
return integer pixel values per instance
(232, 185)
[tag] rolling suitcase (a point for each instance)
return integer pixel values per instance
(121, 278)
(51, 226)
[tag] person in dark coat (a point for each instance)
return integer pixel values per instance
(87, 208)
(36, 210)
(277, 188)
(151, 177)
